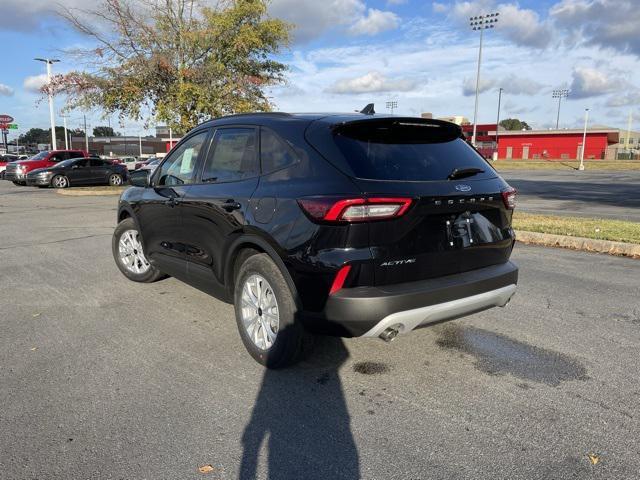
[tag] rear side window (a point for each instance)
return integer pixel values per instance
(406, 152)
(274, 152)
(75, 154)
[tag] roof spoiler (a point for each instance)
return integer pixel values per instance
(368, 110)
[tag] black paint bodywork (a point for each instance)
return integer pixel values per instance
(194, 232)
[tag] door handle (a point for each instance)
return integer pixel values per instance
(172, 202)
(231, 205)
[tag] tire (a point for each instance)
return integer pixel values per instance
(115, 180)
(139, 270)
(18, 183)
(59, 181)
(291, 341)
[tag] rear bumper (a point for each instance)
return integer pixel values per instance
(368, 311)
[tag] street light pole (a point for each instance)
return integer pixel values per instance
(584, 139)
(66, 135)
(480, 22)
(498, 119)
(86, 134)
(560, 93)
(49, 61)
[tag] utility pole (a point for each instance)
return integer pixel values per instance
(170, 139)
(626, 140)
(584, 139)
(66, 135)
(140, 144)
(560, 93)
(498, 119)
(86, 134)
(49, 62)
(481, 22)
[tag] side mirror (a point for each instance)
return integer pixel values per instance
(140, 178)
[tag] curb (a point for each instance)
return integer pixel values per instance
(631, 250)
(87, 193)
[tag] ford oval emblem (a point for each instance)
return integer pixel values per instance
(461, 187)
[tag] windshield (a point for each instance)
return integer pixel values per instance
(407, 151)
(40, 156)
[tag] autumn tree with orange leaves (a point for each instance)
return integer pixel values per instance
(178, 61)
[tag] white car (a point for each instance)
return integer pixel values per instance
(130, 162)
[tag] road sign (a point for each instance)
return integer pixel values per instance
(13, 126)
(6, 118)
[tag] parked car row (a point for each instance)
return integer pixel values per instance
(64, 168)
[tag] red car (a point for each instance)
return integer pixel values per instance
(16, 172)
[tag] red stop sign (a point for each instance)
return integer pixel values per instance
(6, 118)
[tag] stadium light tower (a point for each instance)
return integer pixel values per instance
(480, 22)
(560, 93)
(49, 62)
(391, 105)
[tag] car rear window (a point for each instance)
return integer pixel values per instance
(406, 151)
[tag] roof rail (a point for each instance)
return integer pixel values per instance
(247, 114)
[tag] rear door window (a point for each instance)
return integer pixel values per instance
(234, 155)
(406, 151)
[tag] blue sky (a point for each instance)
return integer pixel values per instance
(422, 54)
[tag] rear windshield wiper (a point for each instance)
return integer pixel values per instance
(464, 172)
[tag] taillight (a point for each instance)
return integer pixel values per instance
(338, 281)
(330, 209)
(509, 198)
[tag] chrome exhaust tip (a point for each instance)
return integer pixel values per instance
(389, 334)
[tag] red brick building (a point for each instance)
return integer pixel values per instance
(556, 144)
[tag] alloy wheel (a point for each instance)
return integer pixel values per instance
(131, 253)
(60, 181)
(259, 311)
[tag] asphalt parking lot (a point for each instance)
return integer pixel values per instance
(597, 194)
(104, 378)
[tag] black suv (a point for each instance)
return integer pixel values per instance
(350, 225)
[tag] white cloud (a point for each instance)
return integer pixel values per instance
(622, 99)
(439, 7)
(374, 22)
(5, 90)
(511, 84)
(604, 23)
(469, 85)
(312, 18)
(589, 82)
(520, 25)
(34, 83)
(523, 26)
(370, 82)
(516, 85)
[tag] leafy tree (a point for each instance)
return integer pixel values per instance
(514, 124)
(102, 131)
(40, 135)
(176, 60)
(35, 135)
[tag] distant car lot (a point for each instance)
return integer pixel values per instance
(583, 194)
(94, 368)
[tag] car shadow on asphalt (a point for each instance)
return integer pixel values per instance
(301, 414)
